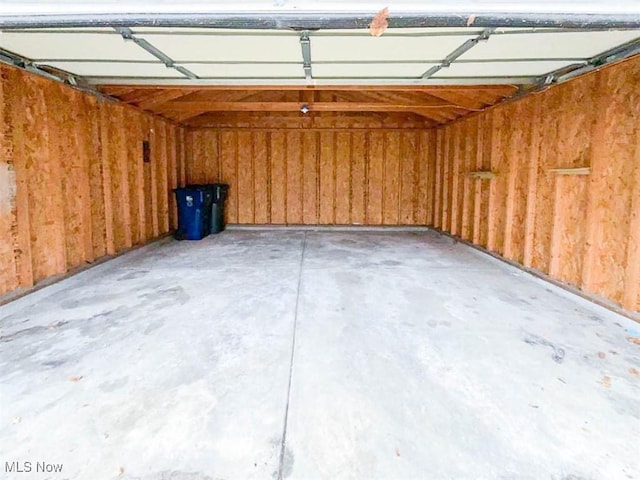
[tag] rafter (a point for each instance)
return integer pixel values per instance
(457, 99)
(395, 99)
(116, 91)
(161, 97)
(183, 116)
(136, 96)
(433, 105)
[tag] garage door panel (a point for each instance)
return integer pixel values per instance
(384, 48)
(68, 46)
(185, 48)
(500, 69)
(117, 69)
(577, 44)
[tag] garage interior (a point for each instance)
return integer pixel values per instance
(432, 263)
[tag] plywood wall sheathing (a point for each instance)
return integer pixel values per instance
(331, 177)
(73, 186)
(580, 229)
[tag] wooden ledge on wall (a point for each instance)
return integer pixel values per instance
(571, 171)
(482, 175)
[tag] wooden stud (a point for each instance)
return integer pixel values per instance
(133, 156)
(294, 178)
(476, 167)
(391, 178)
(409, 176)
(278, 178)
(375, 178)
(532, 178)
(445, 211)
(261, 177)
(358, 178)
(456, 185)
(496, 193)
(468, 186)
(430, 144)
(245, 181)
(310, 178)
(438, 207)
(343, 160)
(172, 172)
(327, 186)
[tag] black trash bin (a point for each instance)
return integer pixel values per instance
(214, 216)
(219, 192)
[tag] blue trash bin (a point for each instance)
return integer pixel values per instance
(192, 219)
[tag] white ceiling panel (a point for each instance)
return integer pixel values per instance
(384, 48)
(72, 46)
(500, 69)
(189, 48)
(396, 56)
(245, 70)
(372, 70)
(115, 69)
(549, 45)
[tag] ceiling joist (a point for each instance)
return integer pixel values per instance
(296, 106)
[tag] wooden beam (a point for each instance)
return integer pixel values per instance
(392, 99)
(295, 106)
(135, 96)
(161, 97)
(320, 120)
(117, 91)
(457, 99)
(182, 116)
(571, 171)
(411, 98)
(503, 90)
(440, 116)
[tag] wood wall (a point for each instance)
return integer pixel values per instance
(298, 176)
(580, 229)
(73, 186)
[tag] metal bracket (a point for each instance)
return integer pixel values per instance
(458, 52)
(127, 34)
(566, 73)
(51, 73)
(305, 44)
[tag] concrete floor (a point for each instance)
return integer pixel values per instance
(368, 355)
